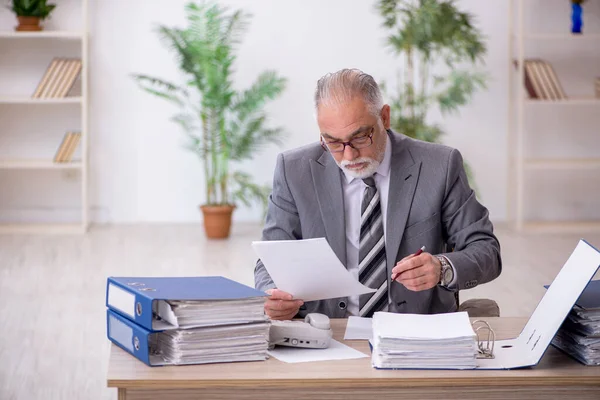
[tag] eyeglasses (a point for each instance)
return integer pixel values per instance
(359, 142)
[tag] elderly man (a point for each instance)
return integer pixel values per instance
(378, 197)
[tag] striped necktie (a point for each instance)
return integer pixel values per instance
(372, 265)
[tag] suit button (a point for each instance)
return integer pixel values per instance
(342, 305)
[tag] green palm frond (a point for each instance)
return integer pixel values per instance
(236, 27)
(253, 136)
(267, 87)
(248, 192)
(188, 122)
(195, 144)
(461, 85)
(162, 88)
(175, 40)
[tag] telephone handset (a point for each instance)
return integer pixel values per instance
(314, 332)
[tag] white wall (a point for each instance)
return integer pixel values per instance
(158, 181)
(139, 170)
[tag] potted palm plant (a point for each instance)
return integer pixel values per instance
(222, 125)
(440, 50)
(30, 13)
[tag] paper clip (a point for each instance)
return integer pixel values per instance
(485, 348)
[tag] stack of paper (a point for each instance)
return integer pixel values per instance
(196, 313)
(444, 341)
(246, 342)
(579, 335)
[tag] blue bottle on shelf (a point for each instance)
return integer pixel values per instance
(576, 17)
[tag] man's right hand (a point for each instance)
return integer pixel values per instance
(281, 305)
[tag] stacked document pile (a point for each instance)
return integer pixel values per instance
(579, 335)
(444, 341)
(194, 313)
(194, 320)
(214, 331)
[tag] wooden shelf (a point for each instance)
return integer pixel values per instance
(45, 229)
(38, 164)
(29, 100)
(42, 35)
(562, 163)
(562, 36)
(561, 226)
(566, 102)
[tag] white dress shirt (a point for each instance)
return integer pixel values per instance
(353, 194)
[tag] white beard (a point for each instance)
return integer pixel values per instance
(366, 172)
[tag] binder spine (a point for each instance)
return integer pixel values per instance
(128, 336)
(130, 302)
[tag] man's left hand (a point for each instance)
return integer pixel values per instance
(418, 273)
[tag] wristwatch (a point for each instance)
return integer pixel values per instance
(447, 273)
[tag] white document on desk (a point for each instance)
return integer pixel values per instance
(308, 269)
(359, 328)
(335, 351)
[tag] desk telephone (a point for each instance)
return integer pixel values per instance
(314, 332)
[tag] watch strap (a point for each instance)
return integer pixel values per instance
(445, 265)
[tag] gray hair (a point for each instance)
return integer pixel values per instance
(340, 87)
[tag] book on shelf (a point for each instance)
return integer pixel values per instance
(59, 78)
(527, 81)
(541, 81)
(67, 147)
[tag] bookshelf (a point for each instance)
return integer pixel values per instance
(35, 141)
(527, 170)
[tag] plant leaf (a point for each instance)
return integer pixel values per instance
(162, 88)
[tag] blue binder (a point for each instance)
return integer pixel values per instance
(135, 297)
(131, 337)
(590, 298)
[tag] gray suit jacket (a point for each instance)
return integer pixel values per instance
(430, 203)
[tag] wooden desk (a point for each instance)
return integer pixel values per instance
(556, 377)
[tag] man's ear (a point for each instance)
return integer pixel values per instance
(385, 116)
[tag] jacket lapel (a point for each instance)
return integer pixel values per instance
(327, 182)
(404, 175)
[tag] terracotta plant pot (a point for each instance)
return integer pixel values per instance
(217, 221)
(28, 24)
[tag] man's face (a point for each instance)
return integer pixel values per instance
(353, 122)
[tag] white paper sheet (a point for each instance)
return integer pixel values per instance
(335, 351)
(359, 328)
(308, 269)
(423, 326)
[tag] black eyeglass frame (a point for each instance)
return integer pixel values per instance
(325, 146)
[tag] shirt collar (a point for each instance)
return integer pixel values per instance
(384, 167)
